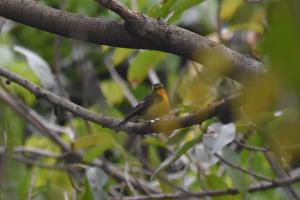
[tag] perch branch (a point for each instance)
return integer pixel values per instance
(163, 125)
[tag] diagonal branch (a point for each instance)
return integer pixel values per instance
(148, 33)
(235, 166)
(163, 125)
(40, 125)
(120, 9)
(118, 79)
(279, 172)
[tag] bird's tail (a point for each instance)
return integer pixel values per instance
(127, 119)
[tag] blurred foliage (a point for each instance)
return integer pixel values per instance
(267, 30)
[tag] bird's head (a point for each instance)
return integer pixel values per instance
(159, 89)
(157, 86)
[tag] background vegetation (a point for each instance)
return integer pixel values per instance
(250, 147)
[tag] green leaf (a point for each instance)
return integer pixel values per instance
(182, 150)
(216, 182)
(112, 92)
(96, 180)
(150, 140)
(154, 159)
(165, 187)
(176, 7)
(247, 17)
(180, 6)
(41, 142)
(48, 192)
(162, 9)
(238, 178)
(283, 54)
(12, 125)
(94, 144)
(51, 184)
(17, 178)
(229, 8)
(87, 195)
(24, 183)
(142, 63)
(96, 151)
(176, 138)
(19, 68)
(120, 54)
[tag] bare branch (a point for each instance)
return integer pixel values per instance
(280, 173)
(249, 147)
(119, 175)
(35, 163)
(118, 79)
(251, 173)
(39, 152)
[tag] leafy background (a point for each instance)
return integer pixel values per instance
(267, 30)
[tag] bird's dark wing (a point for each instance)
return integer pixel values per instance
(140, 108)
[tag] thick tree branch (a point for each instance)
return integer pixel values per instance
(148, 34)
(163, 125)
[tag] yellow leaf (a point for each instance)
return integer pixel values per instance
(92, 140)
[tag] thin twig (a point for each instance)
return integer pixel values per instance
(251, 173)
(119, 175)
(249, 147)
(212, 193)
(126, 174)
(39, 152)
(118, 79)
(36, 163)
(160, 177)
(72, 180)
(292, 194)
(153, 76)
(119, 9)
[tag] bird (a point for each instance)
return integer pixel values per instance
(152, 106)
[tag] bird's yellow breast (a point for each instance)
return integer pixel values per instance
(159, 108)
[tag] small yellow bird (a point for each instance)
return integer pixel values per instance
(154, 105)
